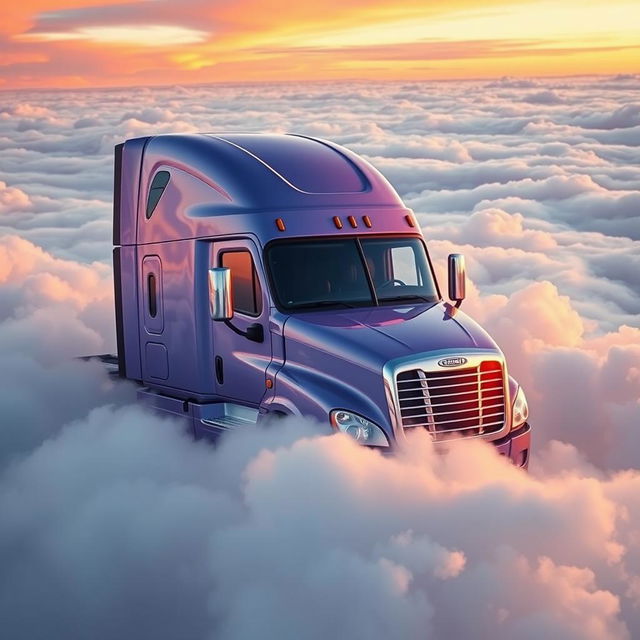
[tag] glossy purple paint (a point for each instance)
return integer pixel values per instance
(226, 191)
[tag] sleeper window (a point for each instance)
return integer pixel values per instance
(158, 185)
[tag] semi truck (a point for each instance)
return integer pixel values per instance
(259, 276)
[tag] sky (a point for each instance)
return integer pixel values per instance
(53, 44)
(113, 520)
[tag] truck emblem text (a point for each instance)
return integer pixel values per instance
(452, 362)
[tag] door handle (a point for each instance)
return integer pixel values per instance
(254, 332)
(219, 370)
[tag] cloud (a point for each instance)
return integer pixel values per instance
(288, 533)
(624, 117)
(114, 519)
(543, 97)
(540, 208)
(51, 310)
(153, 35)
(43, 293)
(12, 199)
(497, 228)
(39, 399)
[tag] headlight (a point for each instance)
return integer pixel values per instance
(520, 411)
(360, 429)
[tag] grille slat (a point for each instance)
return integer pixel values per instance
(428, 408)
(445, 413)
(440, 422)
(487, 375)
(448, 404)
(443, 382)
(476, 429)
(462, 393)
(469, 400)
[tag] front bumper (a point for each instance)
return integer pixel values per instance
(516, 445)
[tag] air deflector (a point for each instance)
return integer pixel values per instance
(308, 165)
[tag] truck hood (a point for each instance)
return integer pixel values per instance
(370, 337)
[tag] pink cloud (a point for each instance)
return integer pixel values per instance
(283, 531)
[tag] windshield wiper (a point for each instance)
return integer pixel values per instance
(323, 303)
(407, 297)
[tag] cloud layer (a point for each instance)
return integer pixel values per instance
(113, 519)
(288, 533)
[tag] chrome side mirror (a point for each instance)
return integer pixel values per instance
(457, 278)
(220, 297)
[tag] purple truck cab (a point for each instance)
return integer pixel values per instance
(271, 275)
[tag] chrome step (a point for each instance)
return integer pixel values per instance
(232, 416)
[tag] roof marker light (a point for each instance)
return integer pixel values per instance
(409, 220)
(352, 221)
(367, 222)
(280, 224)
(337, 222)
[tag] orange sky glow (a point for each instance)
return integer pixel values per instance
(101, 43)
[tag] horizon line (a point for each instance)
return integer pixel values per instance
(338, 81)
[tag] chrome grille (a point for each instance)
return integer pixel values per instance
(468, 401)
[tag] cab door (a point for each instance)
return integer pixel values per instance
(240, 364)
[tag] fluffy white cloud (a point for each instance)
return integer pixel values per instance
(12, 199)
(111, 520)
(290, 534)
(67, 304)
(51, 310)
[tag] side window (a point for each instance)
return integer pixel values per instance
(247, 294)
(404, 265)
(158, 185)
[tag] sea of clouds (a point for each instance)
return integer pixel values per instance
(115, 524)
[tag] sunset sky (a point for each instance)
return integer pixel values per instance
(87, 43)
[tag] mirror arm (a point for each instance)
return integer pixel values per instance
(254, 331)
(450, 310)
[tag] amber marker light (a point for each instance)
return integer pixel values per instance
(352, 221)
(337, 222)
(410, 221)
(367, 222)
(280, 224)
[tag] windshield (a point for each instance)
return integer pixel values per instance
(350, 272)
